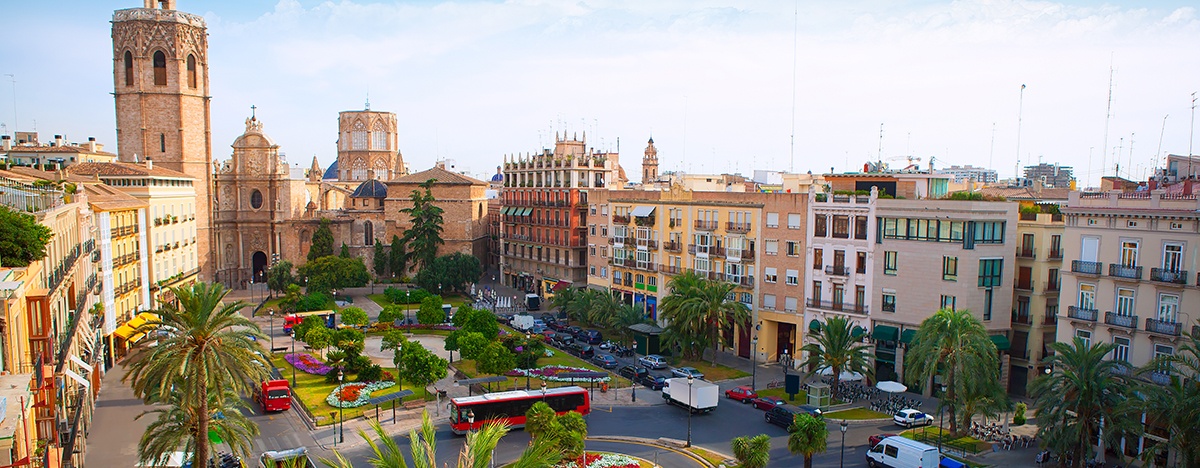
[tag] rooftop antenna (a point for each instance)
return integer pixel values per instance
(1020, 111)
(368, 104)
(992, 148)
(16, 126)
(879, 155)
(1117, 155)
(1129, 167)
(1191, 133)
(1160, 139)
(1107, 117)
(795, 41)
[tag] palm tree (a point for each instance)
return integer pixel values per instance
(625, 316)
(476, 451)
(1084, 395)
(839, 350)
(752, 452)
(1176, 405)
(211, 346)
(601, 306)
(954, 344)
(701, 309)
(178, 422)
(808, 437)
(564, 299)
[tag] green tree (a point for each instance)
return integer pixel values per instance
(380, 260)
(698, 309)
(393, 339)
(421, 366)
(291, 298)
(475, 320)
(390, 313)
(22, 238)
(310, 323)
(495, 359)
(752, 452)
(319, 338)
(322, 241)
(354, 316)
(212, 347)
(472, 344)
(177, 422)
(953, 343)
(397, 258)
(328, 273)
(1084, 393)
(808, 437)
(425, 235)
(838, 349)
(431, 312)
(624, 317)
(1176, 405)
(345, 252)
(540, 420)
(565, 300)
(455, 271)
(279, 276)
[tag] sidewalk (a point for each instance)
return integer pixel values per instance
(114, 438)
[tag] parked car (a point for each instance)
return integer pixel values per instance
(562, 339)
(574, 330)
(537, 330)
(875, 439)
(899, 451)
(557, 326)
(909, 417)
(605, 361)
(687, 372)
(548, 334)
(585, 351)
(766, 402)
(633, 373)
(652, 381)
(539, 323)
(592, 337)
(606, 345)
(653, 361)
(743, 394)
(782, 415)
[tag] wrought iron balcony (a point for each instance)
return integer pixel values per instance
(670, 269)
(1087, 268)
(673, 246)
(1121, 271)
(731, 226)
(1055, 254)
(1079, 313)
(1023, 284)
(838, 306)
(620, 219)
(1022, 319)
(1127, 321)
(1159, 378)
(706, 225)
(1164, 327)
(837, 270)
(1168, 276)
(1026, 252)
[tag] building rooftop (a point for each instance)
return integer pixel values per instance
(124, 169)
(108, 198)
(370, 188)
(443, 177)
(14, 389)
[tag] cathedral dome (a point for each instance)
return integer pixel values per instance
(370, 189)
(331, 172)
(498, 177)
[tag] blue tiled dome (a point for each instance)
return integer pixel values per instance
(498, 177)
(370, 189)
(332, 172)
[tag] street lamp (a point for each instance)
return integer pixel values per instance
(784, 362)
(406, 313)
(843, 426)
(689, 435)
(293, 367)
(754, 357)
(528, 337)
(272, 314)
(341, 416)
(543, 391)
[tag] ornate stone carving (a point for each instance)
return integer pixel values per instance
(227, 198)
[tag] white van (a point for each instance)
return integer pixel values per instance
(899, 452)
(522, 322)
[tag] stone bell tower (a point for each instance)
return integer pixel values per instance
(650, 163)
(160, 83)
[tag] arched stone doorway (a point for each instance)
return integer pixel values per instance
(259, 262)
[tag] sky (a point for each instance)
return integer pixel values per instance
(721, 86)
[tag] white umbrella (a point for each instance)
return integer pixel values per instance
(891, 386)
(845, 375)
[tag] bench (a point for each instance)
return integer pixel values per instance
(414, 404)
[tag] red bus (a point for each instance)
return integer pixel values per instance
(510, 407)
(291, 320)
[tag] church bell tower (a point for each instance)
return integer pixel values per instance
(160, 83)
(650, 163)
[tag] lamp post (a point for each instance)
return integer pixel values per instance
(784, 362)
(293, 367)
(941, 409)
(754, 357)
(843, 426)
(689, 435)
(341, 417)
(333, 414)
(543, 391)
(528, 338)
(409, 316)
(272, 314)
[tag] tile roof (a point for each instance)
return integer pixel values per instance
(57, 149)
(123, 169)
(110, 199)
(1027, 193)
(443, 177)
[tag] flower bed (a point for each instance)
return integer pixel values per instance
(307, 363)
(550, 373)
(355, 394)
(603, 460)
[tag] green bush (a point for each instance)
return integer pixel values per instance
(371, 373)
(1019, 414)
(397, 296)
(315, 301)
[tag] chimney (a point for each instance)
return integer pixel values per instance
(91, 145)
(149, 163)
(58, 140)
(6, 142)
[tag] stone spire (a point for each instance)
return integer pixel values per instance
(314, 171)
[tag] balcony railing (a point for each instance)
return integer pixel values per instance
(746, 281)
(1159, 378)
(124, 231)
(620, 219)
(1055, 254)
(1121, 271)
(1026, 252)
(1052, 285)
(1023, 284)
(706, 225)
(837, 270)
(1164, 327)
(731, 226)
(673, 246)
(1023, 319)
(1168, 276)
(1127, 321)
(1087, 268)
(838, 306)
(644, 266)
(1050, 319)
(670, 269)
(702, 249)
(1082, 314)
(650, 244)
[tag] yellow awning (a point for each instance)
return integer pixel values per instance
(124, 331)
(149, 317)
(137, 337)
(136, 322)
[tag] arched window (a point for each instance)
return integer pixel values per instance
(128, 68)
(358, 137)
(191, 70)
(368, 234)
(160, 68)
(378, 137)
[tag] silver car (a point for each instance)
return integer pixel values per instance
(653, 361)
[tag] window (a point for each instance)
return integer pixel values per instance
(1129, 254)
(989, 272)
(162, 142)
(1168, 307)
(861, 262)
(989, 232)
(1162, 352)
(1084, 335)
(771, 247)
(368, 234)
(860, 227)
(1055, 246)
(816, 292)
(701, 265)
(617, 276)
(770, 275)
(1176, 226)
(1172, 257)
(191, 71)
(603, 272)
(790, 304)
(889, 302)
(1120, 349)
(948, 302)
(841, 227)
(160, 69)
(950, 268)
(1087, 296)
(378, 137)
(793, 221)
(358, 138)
(772, 220)
(818, 259)
(792, 277)
(891, 451)
(769, 301)
(793, 249)
(1125, 302)
(128, 68)
(889, 262)
(256, 199)
(988, 296)
(1131, 224)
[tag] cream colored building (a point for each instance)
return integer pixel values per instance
(55, 155)
(1036, 295)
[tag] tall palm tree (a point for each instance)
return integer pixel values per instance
(564, 299)
(838, 350)
(1176, 405)
(601, 306)
(698, 308)
(211, 346)
(476, 451)
(752, 452)
(808, 437)
(179, 421)
(1084, 395)
(953, 344)
(625, 316)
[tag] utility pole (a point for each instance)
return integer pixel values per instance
(1020, 111)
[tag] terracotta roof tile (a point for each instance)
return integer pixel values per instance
(110, 199)
(123, 169)
(443, 177)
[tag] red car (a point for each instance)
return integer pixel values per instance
(875, 439)
(743, 394)
(765, 403)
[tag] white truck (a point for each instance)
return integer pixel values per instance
(522, 322)
(703, 395)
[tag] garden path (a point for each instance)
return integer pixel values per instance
(373, 348)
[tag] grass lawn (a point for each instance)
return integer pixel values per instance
(312, 390)
(272, 304)
(711, 457)
(801, 398)
(713, 373)
(856, 414)
(454, 300)
(560, 358)
(930, 435)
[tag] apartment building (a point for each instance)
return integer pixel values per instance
(1036, 288)
(53, 155)
(781, 307)
(121, 241)
(544, 201)
(933, 254)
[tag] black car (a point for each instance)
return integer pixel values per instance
(652, 381)
(563, 340)
(784, 415)
(591, 336)
(574, 330)
(585, 351)
(634, 373)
